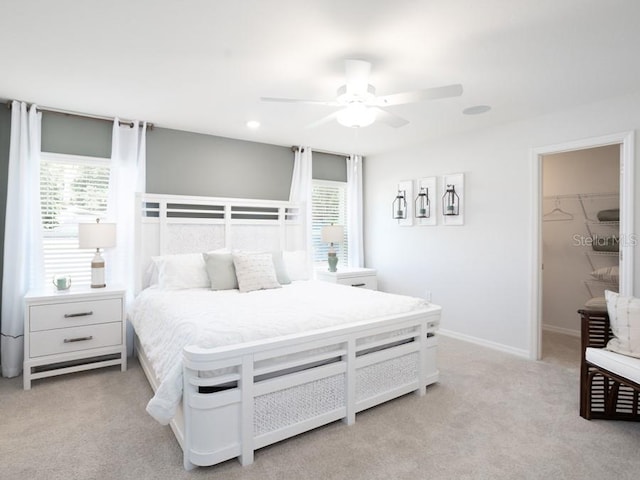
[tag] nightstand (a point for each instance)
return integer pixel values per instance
(73, 330)
(356, 277)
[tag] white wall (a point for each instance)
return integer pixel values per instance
(481, 272)
(566, 265)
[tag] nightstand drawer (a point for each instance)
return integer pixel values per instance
(73, 339)
(369, 282)
(72, 314)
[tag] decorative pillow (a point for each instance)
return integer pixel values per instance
(176, 272)
(624, 316)
(598, 304)
(221, 270)
(255, 271)
(281, 270)
(607, 274)
(297, 264)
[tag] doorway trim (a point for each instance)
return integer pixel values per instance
(627, 236)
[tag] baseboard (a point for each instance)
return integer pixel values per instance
(485, 343)
(564, 331)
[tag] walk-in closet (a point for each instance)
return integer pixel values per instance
(580, 233)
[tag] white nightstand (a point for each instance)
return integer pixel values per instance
(72, 330)
(356, 277)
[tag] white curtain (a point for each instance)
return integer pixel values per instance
(301, 187)
(354, 212)
(128, 172)
(23, 259)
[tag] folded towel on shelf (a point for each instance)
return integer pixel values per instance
(606, 244)
(612, 215)
(596, 304)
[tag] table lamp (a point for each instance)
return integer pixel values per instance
(97, 235)
(332, 234)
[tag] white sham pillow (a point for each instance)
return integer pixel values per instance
(624, 317)
(297, 264)
(181, 271)
(255, 271)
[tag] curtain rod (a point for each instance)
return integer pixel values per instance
(295, 148)
(84, 115)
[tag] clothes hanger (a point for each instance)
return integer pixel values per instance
(557, 214)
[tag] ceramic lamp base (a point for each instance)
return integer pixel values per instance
(97, 271)
(333, 261)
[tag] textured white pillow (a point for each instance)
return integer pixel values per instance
(607, 274)
(255, 271)
(297, 264)
(624, 316)
(176, 272)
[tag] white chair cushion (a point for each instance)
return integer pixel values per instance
(622, 365)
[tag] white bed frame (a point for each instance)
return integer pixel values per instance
(280, 387)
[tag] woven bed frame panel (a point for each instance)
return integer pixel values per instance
(386, 376)
(286, 407)
(596, 332)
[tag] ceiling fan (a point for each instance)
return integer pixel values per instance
(360, 105)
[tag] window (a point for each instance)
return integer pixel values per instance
(73, 189)
(329, 206)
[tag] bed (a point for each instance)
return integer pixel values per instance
(277, 361)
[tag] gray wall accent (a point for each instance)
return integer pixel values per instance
(5, 134)
(185, 163)
(327, 166)
(76, 135)
(178, 162)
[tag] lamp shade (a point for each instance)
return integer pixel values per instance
(333, 233)
(97, 235)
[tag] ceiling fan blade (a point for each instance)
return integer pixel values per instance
(446, 91)
(329, 118)
(357, 76)
(296, 100)
(390, 119)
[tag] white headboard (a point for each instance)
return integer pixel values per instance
(171, 224)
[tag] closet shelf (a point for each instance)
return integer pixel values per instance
(600, 283)
(596, 222)
(601, 254)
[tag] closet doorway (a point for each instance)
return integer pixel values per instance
(582, 233)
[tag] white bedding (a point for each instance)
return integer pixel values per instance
(167, 321)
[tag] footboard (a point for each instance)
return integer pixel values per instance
(241, 398)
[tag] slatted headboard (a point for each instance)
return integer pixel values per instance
(172, 224)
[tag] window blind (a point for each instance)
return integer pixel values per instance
(73, 189)
(329, 206)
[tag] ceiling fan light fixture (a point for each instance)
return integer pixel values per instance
(356, 115)
(346, 97)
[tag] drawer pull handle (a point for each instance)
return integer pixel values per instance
(78, 339)
(81, 314)
(358, 284)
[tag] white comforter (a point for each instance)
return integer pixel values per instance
(167, 321)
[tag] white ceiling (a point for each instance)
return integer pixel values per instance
(202, 65)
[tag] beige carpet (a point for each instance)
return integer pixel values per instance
(491, 416)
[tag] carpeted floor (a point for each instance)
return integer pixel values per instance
(491, 416)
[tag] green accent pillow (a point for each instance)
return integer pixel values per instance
(221, 271)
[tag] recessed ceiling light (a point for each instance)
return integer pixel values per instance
(253, 124)
(476, 110)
